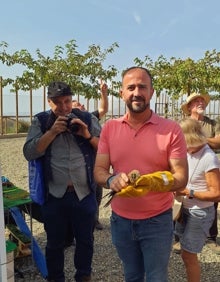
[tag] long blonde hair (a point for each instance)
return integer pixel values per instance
(193, 132)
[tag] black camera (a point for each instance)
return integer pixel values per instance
(73, 127)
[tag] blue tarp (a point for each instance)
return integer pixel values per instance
(38, 256)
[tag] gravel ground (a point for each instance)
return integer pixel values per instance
(106, 265)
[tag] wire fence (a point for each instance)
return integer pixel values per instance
(17, 109)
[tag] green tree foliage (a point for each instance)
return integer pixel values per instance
(177, 76)
(84, 71)
(81, 71)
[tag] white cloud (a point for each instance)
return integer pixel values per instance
(171, 24)
(137, 18)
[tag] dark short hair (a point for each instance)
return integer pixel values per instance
(141, 68)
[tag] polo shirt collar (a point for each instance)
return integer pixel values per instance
(153, 119)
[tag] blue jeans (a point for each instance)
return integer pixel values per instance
(58, 214)
(143, 246)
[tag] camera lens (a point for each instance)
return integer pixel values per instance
(74, 127)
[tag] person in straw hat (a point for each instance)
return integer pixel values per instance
(194, 107)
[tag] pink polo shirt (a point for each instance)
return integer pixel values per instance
(147, 150)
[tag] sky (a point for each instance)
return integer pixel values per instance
(172, 28)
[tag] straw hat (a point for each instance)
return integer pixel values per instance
(191, 97)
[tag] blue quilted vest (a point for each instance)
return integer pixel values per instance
(47, 119)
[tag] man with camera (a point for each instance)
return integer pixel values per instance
(67, 140)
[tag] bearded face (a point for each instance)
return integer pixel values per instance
(137, 104)
(137, 90)
(200, 111)
(198, 106)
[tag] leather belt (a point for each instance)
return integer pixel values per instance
(70, 188)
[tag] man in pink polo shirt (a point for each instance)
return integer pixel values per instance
(141, 226)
